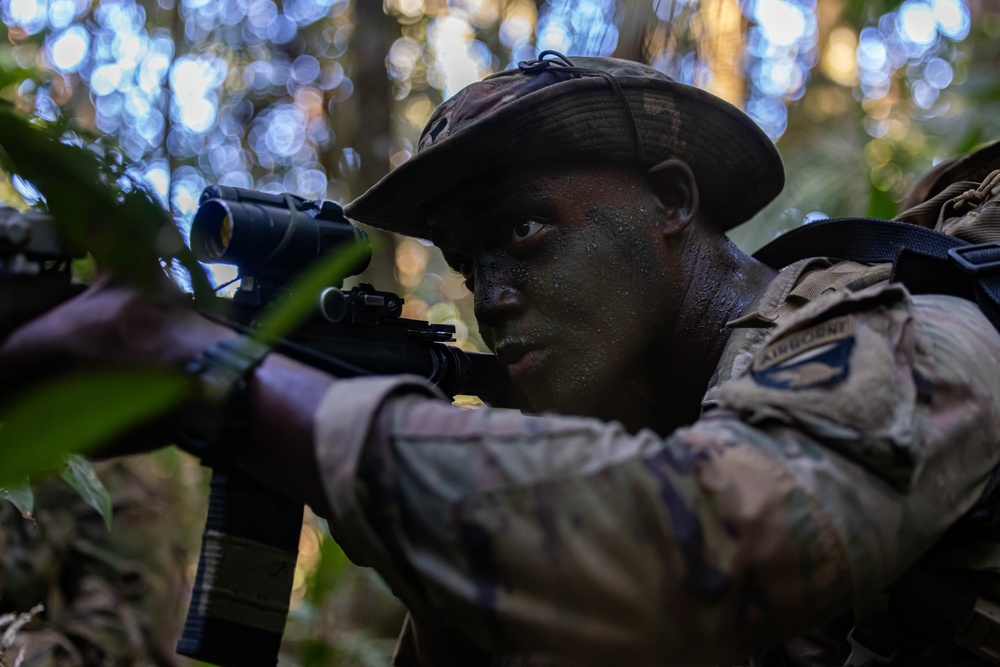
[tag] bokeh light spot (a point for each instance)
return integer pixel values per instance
(68, 49)
(952, 18)
(916, 23)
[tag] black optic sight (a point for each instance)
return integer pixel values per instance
(269, 237)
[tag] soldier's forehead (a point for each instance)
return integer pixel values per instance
(488, 192)
(528, 178)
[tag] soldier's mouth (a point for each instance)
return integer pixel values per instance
(520, 358)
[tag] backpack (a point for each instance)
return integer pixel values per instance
(946, 241)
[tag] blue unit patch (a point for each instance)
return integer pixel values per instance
(814, 357)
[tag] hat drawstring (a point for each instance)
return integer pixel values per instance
(540, 63)
(566, 65)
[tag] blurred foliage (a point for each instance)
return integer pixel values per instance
(99, 207)
(10, 624)
(96, 207)
(299, 303)
(21, 496)
(82, 478)
(341, 615)
(319, 97)
(94, 202)
(79, 412)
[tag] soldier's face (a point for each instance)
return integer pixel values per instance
(572, 279)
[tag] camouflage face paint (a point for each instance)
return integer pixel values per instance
(568, 269)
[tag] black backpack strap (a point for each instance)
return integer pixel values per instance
(867, 240)
(926, 261)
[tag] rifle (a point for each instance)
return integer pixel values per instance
(34, 268)
(250, 544)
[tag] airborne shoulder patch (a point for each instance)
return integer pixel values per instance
(813, 357)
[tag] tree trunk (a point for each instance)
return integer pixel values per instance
(634, 28)
(371, 107)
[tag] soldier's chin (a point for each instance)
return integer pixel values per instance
(552, 397)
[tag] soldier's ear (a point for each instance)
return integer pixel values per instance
(672, 182)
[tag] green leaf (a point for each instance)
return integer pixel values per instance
(14, 76)
(970, 141)
(328, 573)
(80, 474)
(22, 497)
(78, 413)
(303, 296)
(880, 204)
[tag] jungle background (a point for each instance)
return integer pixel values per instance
(322, 97)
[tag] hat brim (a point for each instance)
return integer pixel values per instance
(737, 168)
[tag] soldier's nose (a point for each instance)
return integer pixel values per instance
(496, 302)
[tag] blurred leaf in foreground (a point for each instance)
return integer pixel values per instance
(21, 496)
(301, 301)
(79, 412)
(80, 474)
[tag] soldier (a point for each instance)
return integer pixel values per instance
(743, 463)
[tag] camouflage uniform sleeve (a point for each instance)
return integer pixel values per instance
(808, 490)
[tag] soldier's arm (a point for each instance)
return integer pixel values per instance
(113, 325)
(574, 537)
(807, 493)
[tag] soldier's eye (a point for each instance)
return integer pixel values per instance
(524, 230)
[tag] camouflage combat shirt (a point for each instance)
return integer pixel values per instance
(850, 425)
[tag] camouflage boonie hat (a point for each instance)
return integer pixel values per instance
(584, 108)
